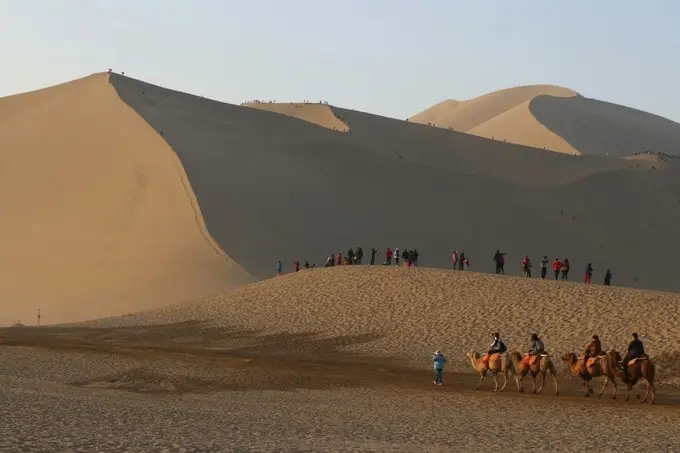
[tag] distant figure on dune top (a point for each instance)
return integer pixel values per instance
(544, 267)
(396, 256)
(338, 259)
(350, 256)
(608, 278)
(388, 256)
(279, 268)
(297, 265)
(461, 260)
(526, 266)
(374, 251)
(499, 260)
(566, 267)
(557, 267)
(588, 274)
(454, 259)
(359, 255)
(306, 264)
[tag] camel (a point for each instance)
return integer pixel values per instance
(641, 368)
(540, 366)
(498, 364)
(601, 366)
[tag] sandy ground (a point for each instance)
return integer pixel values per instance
(189, 387)
(100, 218)
(406, 314)
(556, 119)
(319, 114)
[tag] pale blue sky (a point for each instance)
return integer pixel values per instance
(388, 57)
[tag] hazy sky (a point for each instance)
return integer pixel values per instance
(389, 57)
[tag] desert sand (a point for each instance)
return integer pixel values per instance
(99, 218)
(337, 360)
(148, 212)
(556, 119)
(319, 114)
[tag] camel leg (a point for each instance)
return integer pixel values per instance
(517, 381)
(495, 382)
(606, 382)
(555, 381)
(652, 388)
(520, 384)
(628, 389)
(540, 387)
(505, 382)
(587, 385)
(533, 381)
(613, 380)
(481, 378)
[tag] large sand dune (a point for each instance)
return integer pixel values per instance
(98, 216)
(556, 119)
(273, 187)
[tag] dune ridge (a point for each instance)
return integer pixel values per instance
(556, 119)
(102, 222)
(319, 114)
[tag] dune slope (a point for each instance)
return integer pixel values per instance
(557, 119)
(318, 114)
(411, 312)
(99, 217)
(272, 187)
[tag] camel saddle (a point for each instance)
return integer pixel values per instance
(632, 361)
(592, 360)
(495, 360)
(531, 359)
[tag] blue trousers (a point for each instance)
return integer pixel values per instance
(438, 375)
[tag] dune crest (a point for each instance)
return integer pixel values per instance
(103, 219)
(319, 114)
(465, 115)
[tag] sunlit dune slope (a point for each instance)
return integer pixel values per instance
(408, 313)
(557, 119)
(98, 216)
(318, 114)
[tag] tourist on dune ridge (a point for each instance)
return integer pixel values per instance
(588, 274)
(279, 268)
(557, 267)
(608, 278)
(544, 267)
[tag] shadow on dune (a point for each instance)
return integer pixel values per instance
(598, 127)
(272, 187)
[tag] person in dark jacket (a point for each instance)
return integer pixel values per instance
(608, 278)
(594, 349)
(635, 350)
(373, 253)
(358, 255)
(497, 347)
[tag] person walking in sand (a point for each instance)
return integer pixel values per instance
(358, 256)
(306, 264)
(406, 257)
(396, 256)
(414, 257)
(544, 267)
(350, 256)
(297, 265)
(454, 259)
(557, 266)
(438, 360)
(588, 274)
(466, 263)
(279, 268)
(608, 278)
(461, 260)
(338, 259)
(374, 251)
(388, 256)
(565, 269)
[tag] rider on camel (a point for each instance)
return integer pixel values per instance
(537, 348)
(594, 349)
(497, 347)
(635, 350)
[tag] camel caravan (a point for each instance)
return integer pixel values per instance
(635, 366)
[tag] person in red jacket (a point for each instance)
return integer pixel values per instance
(566, 267)
(388, 256)
(557, 266)
(297, 265)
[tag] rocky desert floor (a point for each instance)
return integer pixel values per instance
(190, 386)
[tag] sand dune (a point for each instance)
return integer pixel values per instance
(466, 115)
(98, 215)
(318, 114)
(557, 119)
(272, 187)
(411, 312)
